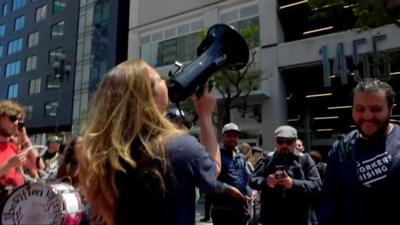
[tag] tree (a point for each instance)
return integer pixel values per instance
(368, 13)
(236, 86)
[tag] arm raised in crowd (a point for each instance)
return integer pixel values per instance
(258, 179)
(204, 107)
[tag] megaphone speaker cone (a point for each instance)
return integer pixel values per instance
(222, 48)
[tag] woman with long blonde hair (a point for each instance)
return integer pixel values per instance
(136, 167)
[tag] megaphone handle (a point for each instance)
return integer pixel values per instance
(200, 89)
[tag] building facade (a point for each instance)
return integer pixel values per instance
(101, 44)
(53, 53)
(310, 66)
(37, 58)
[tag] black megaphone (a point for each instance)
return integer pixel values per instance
(222, 48)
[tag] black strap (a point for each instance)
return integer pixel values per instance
(344, 153)
(267, 162)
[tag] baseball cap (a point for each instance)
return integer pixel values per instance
(53, 139)
(174, 113)
(230, 127)
(285, 131)
(256, 149)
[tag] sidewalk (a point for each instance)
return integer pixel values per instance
(200, 212)
(202, 223)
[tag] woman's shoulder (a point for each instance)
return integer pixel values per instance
(183, 140)
(186, 145)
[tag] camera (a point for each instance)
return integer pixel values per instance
(279, 172)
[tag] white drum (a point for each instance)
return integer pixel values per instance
(56, 203)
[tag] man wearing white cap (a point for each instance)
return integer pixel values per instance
(227, 209)
(52, 159)
(288, 180)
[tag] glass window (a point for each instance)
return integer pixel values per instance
(1, 51)
(53, 81)
(96, 73)
(31, 63)
(50, 109)
(28, 109)
(13, 68)
(15, 46)
(57, 30)
(101, 13)
(41, 13)
(242, 24)
(59, 6)
(19, 23)
(183, 48)
(17, 4)
(33, 39)
(167, 52)
(12, 91)
(2, 30)
(55, 54)
(5, 9)
(187, 47)
(34, 86)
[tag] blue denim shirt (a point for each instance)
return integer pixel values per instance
(233, 170)
(192, 167)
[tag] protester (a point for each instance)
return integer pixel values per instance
(287, 180)
(52, 159)
(67, 171)
(245, 149)
(299, 145)
(362, 180)
(256, 154)
(227, 209)
(176, 116)
(137, 167)
(321, 167)
(13, 141)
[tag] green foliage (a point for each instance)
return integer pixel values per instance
(370, 18)
(246, 134)
(323, 3)
(368, 14)
(250, 35)
(236, 86)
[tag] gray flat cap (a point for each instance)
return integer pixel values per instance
(285, 131)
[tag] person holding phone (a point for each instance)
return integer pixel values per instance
(13, 141)
(287, 180)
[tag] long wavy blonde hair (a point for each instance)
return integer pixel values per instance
(123, 110)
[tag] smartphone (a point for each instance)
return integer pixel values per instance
(21, 124)
(279, 172)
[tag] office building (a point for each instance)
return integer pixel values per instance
(37, 58)
(52, 55)
(310, 65)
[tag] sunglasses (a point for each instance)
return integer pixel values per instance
(13, 118)
(284, 141)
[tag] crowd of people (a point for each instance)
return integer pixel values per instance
(140, 165)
